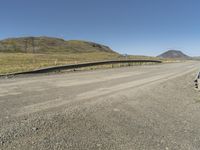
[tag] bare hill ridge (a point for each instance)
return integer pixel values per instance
(174, 54)
(50, 44)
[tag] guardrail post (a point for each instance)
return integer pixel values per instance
(197, 80)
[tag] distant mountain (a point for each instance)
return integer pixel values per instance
(50, 45)
(174, 54)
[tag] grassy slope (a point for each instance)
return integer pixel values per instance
(50, 45)
(25, 56)
(15, 62)
(29, 53)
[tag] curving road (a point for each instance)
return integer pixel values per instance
(143, 107)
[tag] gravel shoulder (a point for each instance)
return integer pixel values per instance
(138, 108)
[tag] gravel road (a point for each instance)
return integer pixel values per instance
(135, 108)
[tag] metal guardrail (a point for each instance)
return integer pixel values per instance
(81, 65)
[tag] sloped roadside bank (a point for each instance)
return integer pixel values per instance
(81, 65)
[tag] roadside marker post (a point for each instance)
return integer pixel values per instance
(197, 80)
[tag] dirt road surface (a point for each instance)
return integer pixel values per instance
(135, 108)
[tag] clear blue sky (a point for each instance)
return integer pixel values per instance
(145, 27)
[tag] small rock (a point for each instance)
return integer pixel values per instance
(2, 142)
(162, 141)
(116, 110)
(35, 129)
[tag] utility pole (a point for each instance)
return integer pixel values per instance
(33, 44)
(26, 45)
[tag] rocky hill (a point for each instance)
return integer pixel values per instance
(174, 54)
(50, 45)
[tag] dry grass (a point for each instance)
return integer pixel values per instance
(16, 62)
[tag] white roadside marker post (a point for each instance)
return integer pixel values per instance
(197, 80)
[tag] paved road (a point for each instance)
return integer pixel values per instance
(143, 107)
